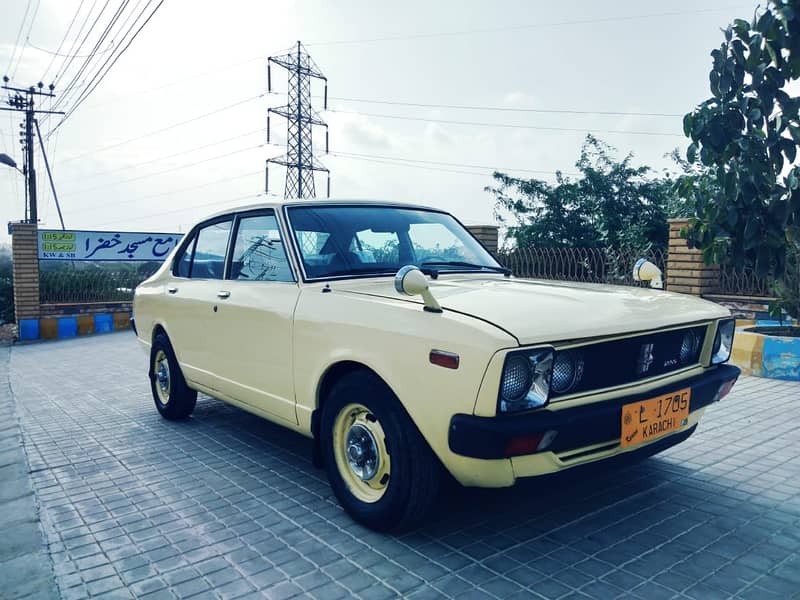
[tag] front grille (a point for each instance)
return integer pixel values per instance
(618, 362)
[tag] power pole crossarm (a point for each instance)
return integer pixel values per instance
(22, 100)
(300, 118)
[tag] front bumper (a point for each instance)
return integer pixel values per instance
(579, 427)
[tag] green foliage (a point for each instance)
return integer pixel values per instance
(611, 203)
(746, 135)
(6, 286)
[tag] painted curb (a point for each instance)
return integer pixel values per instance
(57, 328)
(774, 357)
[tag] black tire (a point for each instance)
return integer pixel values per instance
(176, 400)
(412, 485)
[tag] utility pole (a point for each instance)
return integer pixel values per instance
(22, 100)
(300, 117)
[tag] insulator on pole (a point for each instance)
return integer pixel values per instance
(269, 75)
(266, 178)
(326, 140)
(329, 184)
(268, 127)
(325, 104)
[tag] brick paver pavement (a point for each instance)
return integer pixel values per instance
(227, 505)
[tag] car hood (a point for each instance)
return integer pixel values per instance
(538, 311)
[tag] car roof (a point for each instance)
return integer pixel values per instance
(278, 204)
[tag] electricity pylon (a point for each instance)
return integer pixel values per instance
(300, 117)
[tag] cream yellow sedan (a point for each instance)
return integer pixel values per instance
(390, 336)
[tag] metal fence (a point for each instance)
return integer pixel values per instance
(742, 282)
(593, 265)
(71, 286)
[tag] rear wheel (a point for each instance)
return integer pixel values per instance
(379, 465)
(173, 398)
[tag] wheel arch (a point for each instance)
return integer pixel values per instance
(329, 378)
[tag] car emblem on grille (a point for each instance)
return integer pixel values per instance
(645, 360)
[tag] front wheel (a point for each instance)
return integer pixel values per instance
(173, 398)
(379, 465)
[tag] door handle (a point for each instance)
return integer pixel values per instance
(223, 294)
(172, 290)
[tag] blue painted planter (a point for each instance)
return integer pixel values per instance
(781, 358)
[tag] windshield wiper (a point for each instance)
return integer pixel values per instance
(459, 263)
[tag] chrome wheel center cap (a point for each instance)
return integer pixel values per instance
(163, 376)
(362, 452)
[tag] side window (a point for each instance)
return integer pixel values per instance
(434, 241)
(376, 247)
(184, 262)
(259, 253)
(209, 251)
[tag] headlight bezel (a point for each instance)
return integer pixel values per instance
(540, 361)
(722, 345)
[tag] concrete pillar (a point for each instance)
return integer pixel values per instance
(25, 254)
(686, 271)
(487, 234)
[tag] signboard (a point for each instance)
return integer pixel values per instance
(55, 244)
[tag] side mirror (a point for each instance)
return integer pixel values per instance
(412, 282)
(644, 270)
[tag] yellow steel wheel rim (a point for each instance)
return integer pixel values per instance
(162, 376)
(359, 447)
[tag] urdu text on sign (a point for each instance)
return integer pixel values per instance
(105, 245)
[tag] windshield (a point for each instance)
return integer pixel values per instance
(342, 241)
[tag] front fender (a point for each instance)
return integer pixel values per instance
(394, 340)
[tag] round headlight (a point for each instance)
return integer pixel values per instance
(567, 371)
(517, 379)
(689, 346)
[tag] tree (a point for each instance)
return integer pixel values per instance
(611, 203)
(747, 134)
(6, 286)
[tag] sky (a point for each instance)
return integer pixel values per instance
(177, 129)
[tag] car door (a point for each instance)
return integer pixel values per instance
(254, 320)
(190, 298)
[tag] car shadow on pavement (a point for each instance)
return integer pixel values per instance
(551, 501)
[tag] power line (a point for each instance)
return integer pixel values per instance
(68, 62)
(19, 37)
(418, 36)
(357, 155)
(507, 125)
(61, 44)
(73, 85)
(168, 192)
(73, 49)
(57, 54)
(27, 37)
(163, 129)
(511, 109)
(170, 170)
(178, 210)
(92, 85)
(167, 156)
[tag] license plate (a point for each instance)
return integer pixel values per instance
(654, 418)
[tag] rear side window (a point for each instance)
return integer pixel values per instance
(204, 256)
(184, 261)
(208, 261)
